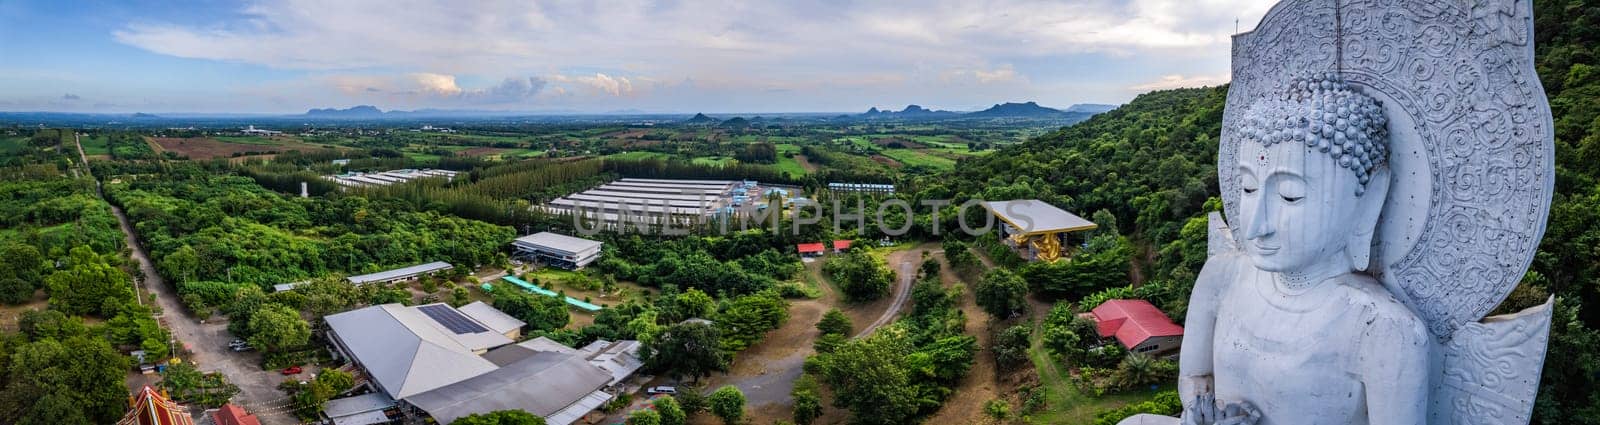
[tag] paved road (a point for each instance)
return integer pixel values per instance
(258, 389)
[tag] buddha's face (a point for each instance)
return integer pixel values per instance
(1298, 207)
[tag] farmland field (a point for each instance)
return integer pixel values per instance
(208, 148)
(917, 157)
(95, 145)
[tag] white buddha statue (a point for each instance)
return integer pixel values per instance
(1305, 337)
(1376, 212)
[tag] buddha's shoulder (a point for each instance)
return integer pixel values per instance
(1379, 309)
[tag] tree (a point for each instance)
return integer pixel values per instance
(22, 261)
(89, 285)
(861, 276)
(745, 320)
(644, 417)
(807, 403)
(1011, 346)
(671, 412)
(500, 417)
(275, 327)
(834, 322)
(339, 380)
(78, 380)
(727, 403)
(871, 379)
(541, 313)
(687, 349)
(15, 290)
(1002, 294)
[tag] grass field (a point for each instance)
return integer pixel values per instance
(714, 160)
(1065, 404)
(95, 145)
(638, 155)
(913, 157)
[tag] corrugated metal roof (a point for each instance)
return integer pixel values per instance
(542, 384)
(807, 248)
(559, 242)
(400, 272)
(491, 317)
(406, 352)
(1034, 216)
(674, 181)
(371, 402)
(1133, 321)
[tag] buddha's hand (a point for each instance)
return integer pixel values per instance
(1204, 411)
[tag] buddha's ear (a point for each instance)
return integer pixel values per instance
(1370, 206)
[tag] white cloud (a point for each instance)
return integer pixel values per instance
(437, 84)
(1174, 81)
(611, 49)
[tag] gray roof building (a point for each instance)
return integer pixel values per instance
(1030, 216)
(544, 383)
(496, 320)
(407, 351)
(400, 273)
(558, 249)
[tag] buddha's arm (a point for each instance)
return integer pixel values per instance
(1194, 362)
(1394, 359)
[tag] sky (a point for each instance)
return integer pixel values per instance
(599, 56)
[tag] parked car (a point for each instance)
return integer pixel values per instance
(291, 370)
(661, 390)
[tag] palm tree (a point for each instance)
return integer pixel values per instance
(1137, 369)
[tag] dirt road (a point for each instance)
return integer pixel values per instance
(907, 271)
(258, 389)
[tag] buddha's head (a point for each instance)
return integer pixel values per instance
(1314, 175)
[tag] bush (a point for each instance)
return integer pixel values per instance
(671, 412)
(1165, 403)
(1011, 346)
(834, 322)
(644, 417)
(727, 403)
(997, 409)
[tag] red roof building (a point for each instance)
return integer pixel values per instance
(1138, 325)
(808, 249)
(839, 245)
(148, 407)
(232, 414)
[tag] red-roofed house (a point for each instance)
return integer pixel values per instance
(839, 245)
(1139, 326)
(232, 414)
(809, 249)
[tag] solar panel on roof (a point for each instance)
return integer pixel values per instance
(452, 319)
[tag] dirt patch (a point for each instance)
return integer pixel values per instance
(887, 161)
(805, 163)
(208, 148)
(480, 151)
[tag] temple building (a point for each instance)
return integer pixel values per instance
(149, 407)
(1036, 230)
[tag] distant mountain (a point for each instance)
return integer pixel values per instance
(360, 111)
(1017, 110)
(1092, 108)
(910, 112)
(735, 122)
(701, 119)
(144, 115)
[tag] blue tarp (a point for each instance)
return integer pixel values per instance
(546, 292)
